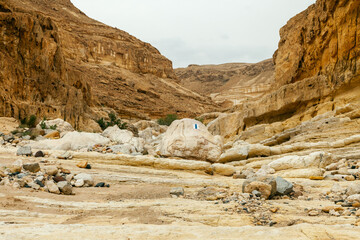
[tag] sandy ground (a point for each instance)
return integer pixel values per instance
(138, 206)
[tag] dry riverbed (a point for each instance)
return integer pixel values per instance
(138, 205)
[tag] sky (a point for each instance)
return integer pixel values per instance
(200, 31)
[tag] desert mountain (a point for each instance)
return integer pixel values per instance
(231, 82)
(57, 62)
(316, 71)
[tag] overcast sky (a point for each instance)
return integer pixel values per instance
(200, 31)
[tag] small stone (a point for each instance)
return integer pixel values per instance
(82, 164)
(88, 166)
(40, 178)
(256, 193)
(8, 138)
(334, 213)
(100, 184)
(32, 167)
(177, 191)
(107, 185)
(38, 182)
(65, 156)
(52, 187)
(69, 177)
(313, 213)
(327, 209)
(16, 167)
(39, 154)
(65, 171)
(33, 185)
(51, 170)
(88, 180)
(21, 175)
(274, 210)
(16, 185)
(59, 179)
(65, 187)
(24, 151)
(350, 178)
(2, 174)
(79, 183)
(283, 187)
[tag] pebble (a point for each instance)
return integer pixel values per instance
(82, 164)
(334, 213)
(39, 154)
(51, 170)
(313, 213)
(59, 179)
(52, 187)
(350, 178)
(39, 183)
(79, 183)
(32, 167)
(24, 151)
(100, 184)
(177, 191)
(65, 187)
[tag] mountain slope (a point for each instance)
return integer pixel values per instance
(57, 62)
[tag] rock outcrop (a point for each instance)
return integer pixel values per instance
(316, 70)
(57, 62)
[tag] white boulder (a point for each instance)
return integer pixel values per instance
(71, 141)
(188, 138)
(118, 135)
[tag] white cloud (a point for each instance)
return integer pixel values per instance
(200, 31)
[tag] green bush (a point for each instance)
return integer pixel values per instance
(32, 121)
(53, 127)
(167, 120)
(43, 124)
(113, 121)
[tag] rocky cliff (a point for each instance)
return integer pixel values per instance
(233, 83)
(316, 70)
(57, 62)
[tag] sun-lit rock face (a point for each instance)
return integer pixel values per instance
(57, 62)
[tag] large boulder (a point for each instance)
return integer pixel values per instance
(61, 125)
(188, 138)
(265, 185)
(71, 141)
(118, 135)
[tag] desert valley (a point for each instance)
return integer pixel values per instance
(101, 138)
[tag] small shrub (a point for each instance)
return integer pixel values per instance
(43, 124)
(53, 127)
(102, 123)
(113, 121)
(167, 120)
(32, 121)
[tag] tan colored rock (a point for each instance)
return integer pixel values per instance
(53, 135)
(82, 164)
(223, 169)
(188, 138)
(301, 173)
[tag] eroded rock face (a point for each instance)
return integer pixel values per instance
(188, 138)
(316, 68)
(65, 65)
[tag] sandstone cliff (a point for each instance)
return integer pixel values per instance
(232, 82)
(57, 62)
(316, 70)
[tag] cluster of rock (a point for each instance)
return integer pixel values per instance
(48, 178)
